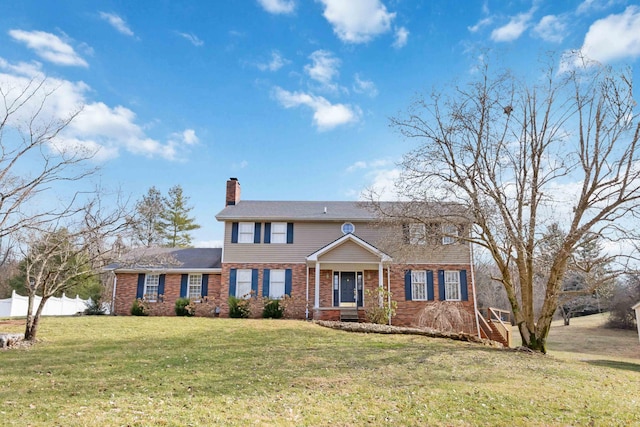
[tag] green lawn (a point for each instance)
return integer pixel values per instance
(197, 371)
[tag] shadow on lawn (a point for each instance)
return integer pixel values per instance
(615, 364)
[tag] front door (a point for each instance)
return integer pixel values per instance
(347, 289)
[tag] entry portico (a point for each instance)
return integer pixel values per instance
(340, 272)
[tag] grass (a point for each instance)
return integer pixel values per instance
(197, 371)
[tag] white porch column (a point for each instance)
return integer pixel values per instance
(316, 304)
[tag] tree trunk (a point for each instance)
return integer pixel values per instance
(33, 321)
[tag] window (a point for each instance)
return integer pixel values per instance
(347, 228)
(279, 232)
(419, 285)
(452, 285)
(245, 232)
(417, 234)
(450, 232)
(151, 283)
(243, 284)
(195, 286)
(276, 284)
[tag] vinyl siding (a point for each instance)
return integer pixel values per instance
(349, 251)
(311, 236)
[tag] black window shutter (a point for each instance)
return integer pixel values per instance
(234, 232)
(254, 281)
(464, 293)
(430, 296)
(184, 280)
(407, 285)
(256, 233)
(287, 281)
(266, 276)
(232, 282)
(161, 286)
(205, 285)
(140, 289)
(267, 232)
(289, 232)
(441, 285)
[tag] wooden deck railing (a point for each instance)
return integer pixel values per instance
(498, 318)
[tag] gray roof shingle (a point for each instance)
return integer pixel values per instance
(169, 258)
(292, 210)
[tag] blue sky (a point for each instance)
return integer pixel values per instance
(292, 97)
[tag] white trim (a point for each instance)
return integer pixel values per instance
(169, 270)
(316, 303)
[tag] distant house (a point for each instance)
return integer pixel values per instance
(325, 254)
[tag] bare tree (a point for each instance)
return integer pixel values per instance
(66, 252)
(521, 156)
(34, 157)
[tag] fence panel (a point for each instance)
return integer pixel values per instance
(17, 305)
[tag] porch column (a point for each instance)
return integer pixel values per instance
(380, 275)
(317, 293)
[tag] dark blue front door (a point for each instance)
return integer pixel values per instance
(347, 287)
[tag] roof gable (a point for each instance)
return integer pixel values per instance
(314, 257)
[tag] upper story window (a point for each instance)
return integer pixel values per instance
(151, 284)
(417, 234)
(449, 234)
(348, 227)
(279, 232)
(246, 232)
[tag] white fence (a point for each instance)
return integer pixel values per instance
(17, 305)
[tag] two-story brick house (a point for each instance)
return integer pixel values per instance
(328, 254)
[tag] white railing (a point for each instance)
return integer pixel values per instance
(17, 305)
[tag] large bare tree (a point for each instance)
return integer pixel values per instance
(563, 148)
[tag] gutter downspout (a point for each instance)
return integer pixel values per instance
(473, 287)
(113, 296)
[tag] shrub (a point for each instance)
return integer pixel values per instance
(272, 309)
(137, 309)
(626, 294)
(292, 308)
(446, 316)
(95, 308)
(184, 307)
(379, 306)
(239, 308)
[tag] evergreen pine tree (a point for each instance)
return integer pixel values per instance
(175, 223)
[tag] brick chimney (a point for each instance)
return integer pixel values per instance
(233, 192)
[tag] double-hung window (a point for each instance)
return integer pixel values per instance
(243, 283)
(276, 284)
(279, 232)
(449, 234)
(452, 285)
(151, 284)
(195, 286)
(419, 285)
(245, 232)
(417, 234)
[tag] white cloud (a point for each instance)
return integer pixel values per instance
(97, 127)
(551, 28)
(357, 21)
(615, 37)
(364, 86)
(514, 28)
(402, 35)
(596, 5)
(326, 116)
(49, 47)
(277, 62)
(324, 68)
(382, 183)
(192, 38)
(117, 22)
(278, 6)
(480, 24)
(356, 166)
